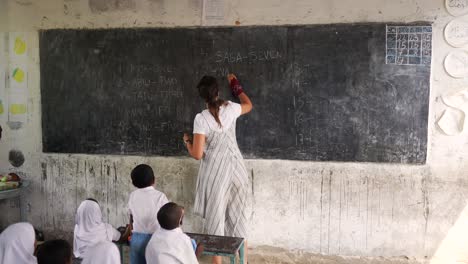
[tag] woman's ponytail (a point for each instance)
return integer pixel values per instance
(209, 91)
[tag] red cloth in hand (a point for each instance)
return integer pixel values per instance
(236, 88)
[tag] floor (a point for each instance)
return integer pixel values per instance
(271, 255)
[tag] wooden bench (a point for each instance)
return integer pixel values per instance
(214, 246)
(221, 246)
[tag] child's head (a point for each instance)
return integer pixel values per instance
(88, 214)
(55, 252)
(17, 244)
(142, 176)
(93, 200)
(170, 216)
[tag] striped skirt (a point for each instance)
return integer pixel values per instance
(222, 187)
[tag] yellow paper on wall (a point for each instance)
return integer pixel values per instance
(18, 109)
(18, 75)
(19, 46)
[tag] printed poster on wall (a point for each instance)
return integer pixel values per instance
(213, 12)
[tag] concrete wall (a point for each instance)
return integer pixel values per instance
(322, 207)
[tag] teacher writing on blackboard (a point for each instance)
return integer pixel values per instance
(222, 185)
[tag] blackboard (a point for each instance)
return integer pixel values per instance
(320, 92)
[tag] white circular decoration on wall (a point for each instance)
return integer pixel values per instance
(452, 122)
(456, 63)
(457, 7)
(456, 32)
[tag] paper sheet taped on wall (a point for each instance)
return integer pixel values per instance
(18, 106)
(18, 46)
(3, 76)
(455, 32)
(213, 11)
(2, 91)
(456, 63)
(3, 45)
(18, 76)
(457, 100)
(452, 121)
(457, 7)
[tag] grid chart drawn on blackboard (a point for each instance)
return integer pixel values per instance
(408, 45)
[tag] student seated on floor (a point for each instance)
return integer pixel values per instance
(143, 205)
(104, 252)
(17, 244)
(90, 229)
(169, 245)
(54, 252)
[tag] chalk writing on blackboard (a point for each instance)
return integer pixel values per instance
(409, 45)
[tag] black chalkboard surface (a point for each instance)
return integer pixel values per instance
(320, 92)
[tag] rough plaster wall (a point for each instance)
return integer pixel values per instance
(322, 207)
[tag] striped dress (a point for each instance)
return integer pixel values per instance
(222, 185)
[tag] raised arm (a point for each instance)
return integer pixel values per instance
(238, 91)
(245, 102)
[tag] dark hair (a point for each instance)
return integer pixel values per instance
(142, 176)
(209, 91)
(92, 199)
(54, 252)
(39, 235)
(169, 216)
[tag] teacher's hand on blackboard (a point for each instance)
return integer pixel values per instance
(187, 138)
(234, 83)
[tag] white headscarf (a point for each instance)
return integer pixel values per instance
(17, 244)
(89, 228)
(104, 252)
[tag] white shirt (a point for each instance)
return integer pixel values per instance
(89, 228)
(143, 205)
(170, 247)
(205, 122)
(104, 252)
(17, 244)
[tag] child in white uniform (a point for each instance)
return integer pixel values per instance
(17, 244)
(103, 252)
(90, 229)
(169, 245)
(143, 205)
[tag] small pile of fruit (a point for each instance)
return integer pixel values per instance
(10, 181)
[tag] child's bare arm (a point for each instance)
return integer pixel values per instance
(200, 249)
